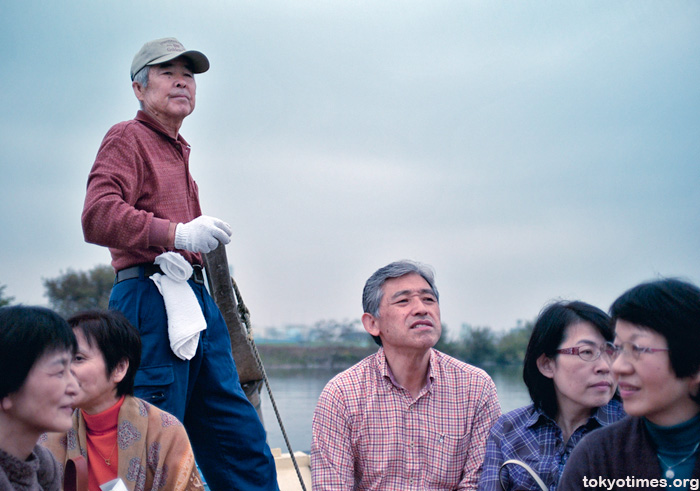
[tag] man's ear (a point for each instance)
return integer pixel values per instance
(370, 324)
(120, 370)
(545, 365)
(138, 90)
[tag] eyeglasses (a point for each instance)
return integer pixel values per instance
(588, 352)
(631, 348)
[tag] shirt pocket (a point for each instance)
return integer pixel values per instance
(446, 454)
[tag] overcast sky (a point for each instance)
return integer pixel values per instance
(528, 150)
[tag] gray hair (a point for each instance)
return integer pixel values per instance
(373, 291)
(141, 76)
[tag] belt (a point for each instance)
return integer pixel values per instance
(147, 269)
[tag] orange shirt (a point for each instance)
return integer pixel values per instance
(102, 448)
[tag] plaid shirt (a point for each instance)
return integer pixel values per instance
(369, 433)
(530, 435)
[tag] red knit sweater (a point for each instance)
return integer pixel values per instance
(139, 183)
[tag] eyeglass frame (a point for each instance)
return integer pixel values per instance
(576, 350)
(636, 350)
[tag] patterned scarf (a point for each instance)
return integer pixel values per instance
(154, 450)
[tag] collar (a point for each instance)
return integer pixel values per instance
(602, 416)
(105, 421)
(143, 117)
(679, 436)
(20, 472)
(385, 370)
(537, 417)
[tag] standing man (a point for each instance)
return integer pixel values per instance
(141, 202)
(407, 417)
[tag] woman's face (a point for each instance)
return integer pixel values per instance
(579, 384)
(45, 400)
(98, 391)
(648, 386)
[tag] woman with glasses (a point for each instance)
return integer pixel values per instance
(567, 372)
(656, 356)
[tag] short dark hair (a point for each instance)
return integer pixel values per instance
(116, 338)
(374, 287)
(548, 333)
(26, 334)
(670, 307)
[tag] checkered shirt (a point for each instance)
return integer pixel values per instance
(370, 434)
(530, 435)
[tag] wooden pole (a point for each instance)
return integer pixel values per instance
(221, 289)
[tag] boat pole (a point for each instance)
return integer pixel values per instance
(221, 290)
(251, 371)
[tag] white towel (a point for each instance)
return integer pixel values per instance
(185, 318)
(115, 484)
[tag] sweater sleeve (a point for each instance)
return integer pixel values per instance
(115, 183)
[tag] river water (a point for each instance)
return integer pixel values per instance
(296, 392)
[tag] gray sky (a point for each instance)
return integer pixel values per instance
(528, 151)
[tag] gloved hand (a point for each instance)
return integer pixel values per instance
(202, 234)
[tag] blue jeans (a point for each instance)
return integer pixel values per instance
(228, 439)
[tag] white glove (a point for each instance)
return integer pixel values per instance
(202, 234)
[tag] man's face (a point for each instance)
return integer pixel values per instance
(170, 93)
(409, 315)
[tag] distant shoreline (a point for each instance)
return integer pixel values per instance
(296, 356)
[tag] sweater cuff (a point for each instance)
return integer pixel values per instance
(158, 235)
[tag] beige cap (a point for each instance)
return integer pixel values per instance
(166, 49)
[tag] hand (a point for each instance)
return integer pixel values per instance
(202, 234)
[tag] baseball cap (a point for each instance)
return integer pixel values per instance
(166, 49)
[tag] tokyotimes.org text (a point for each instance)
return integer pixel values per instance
(631, 482)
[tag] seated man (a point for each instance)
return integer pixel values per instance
(407, 417)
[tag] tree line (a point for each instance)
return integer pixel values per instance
(73, 291)
(483, 347)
